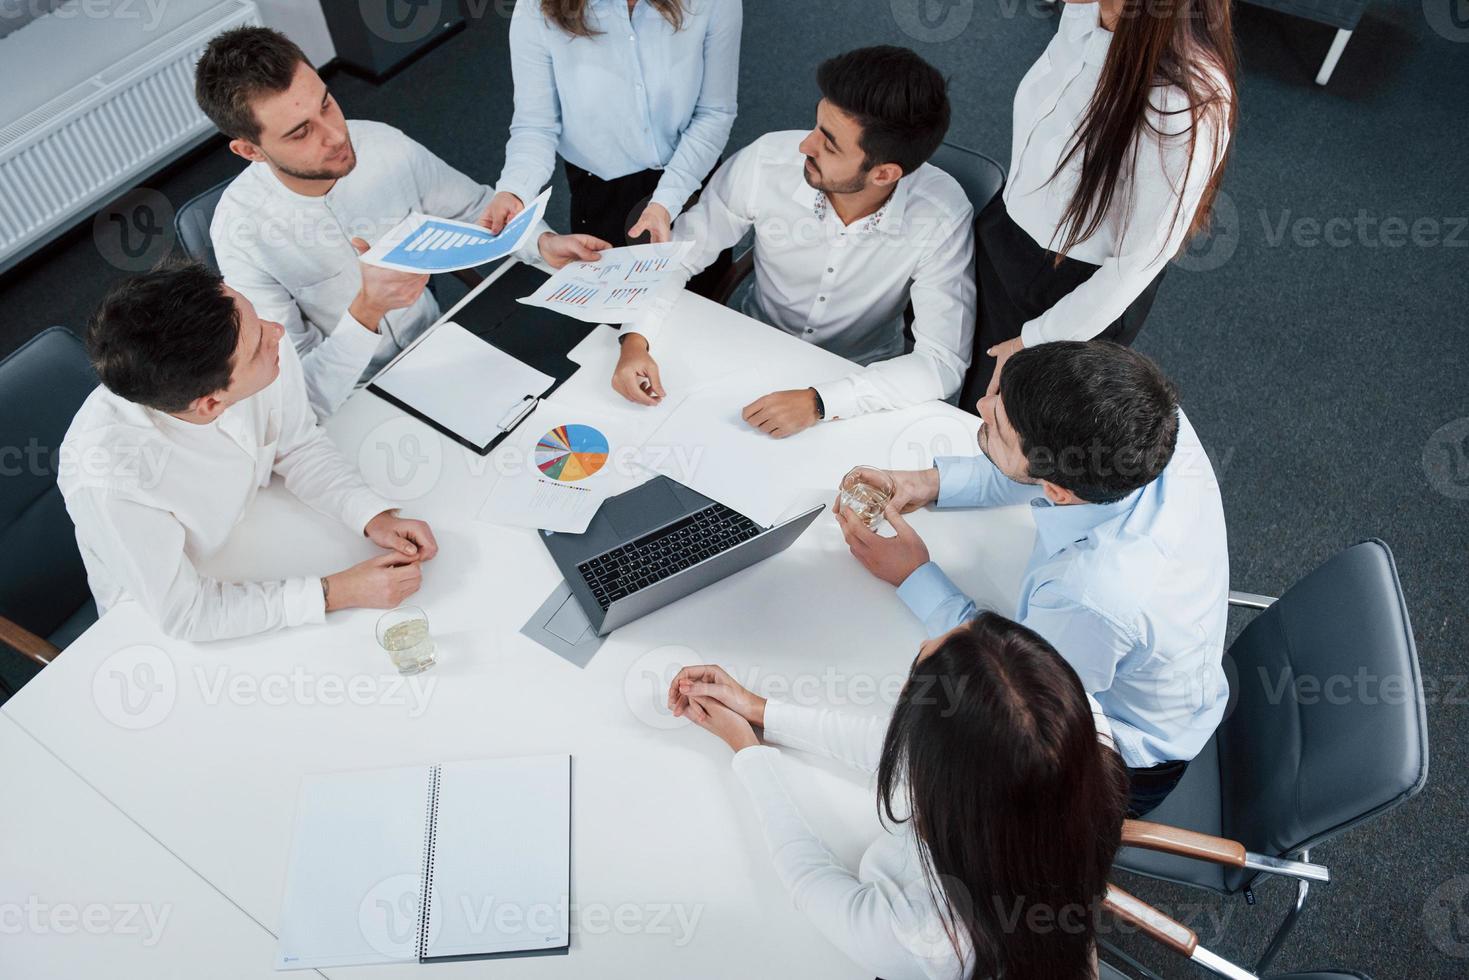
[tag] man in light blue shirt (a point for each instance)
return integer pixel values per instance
(1129, 578)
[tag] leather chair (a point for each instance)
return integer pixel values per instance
(1344, 15)
(44, 599)
(1326, 728)
(979, 176)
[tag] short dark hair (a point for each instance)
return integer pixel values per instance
(1094, 417)
(900, 101)
(237, 66)
(165, 337)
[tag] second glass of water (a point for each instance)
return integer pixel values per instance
(403, 633)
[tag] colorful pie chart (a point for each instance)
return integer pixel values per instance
(571, 452)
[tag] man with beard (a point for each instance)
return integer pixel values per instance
(852, 225)
(288, 231)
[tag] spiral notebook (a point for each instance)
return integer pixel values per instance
(464, 860)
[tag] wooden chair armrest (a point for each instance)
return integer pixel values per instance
(1184, 843)
(1134, 911)
(28, 643)
(470, 277)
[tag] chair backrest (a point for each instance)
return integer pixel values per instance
(41, 387)
(191, 225)
(1329, 727)
(980, 176)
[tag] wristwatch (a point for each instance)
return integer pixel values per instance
(820, 406)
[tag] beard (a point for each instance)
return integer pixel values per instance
(340, 171)
(850, 187)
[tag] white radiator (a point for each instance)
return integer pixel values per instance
(77, 150)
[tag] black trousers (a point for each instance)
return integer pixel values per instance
(1150, 787)
(1019, 280)
(608, 209)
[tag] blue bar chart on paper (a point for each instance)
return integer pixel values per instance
(420, 243)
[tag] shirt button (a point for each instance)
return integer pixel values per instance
(830, 269)
(822, 298)
(809, 330)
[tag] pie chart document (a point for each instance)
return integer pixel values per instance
(561, 463)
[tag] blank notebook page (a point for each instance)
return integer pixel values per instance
(502, 865)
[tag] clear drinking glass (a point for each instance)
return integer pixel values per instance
(866, 491)
(403, 633)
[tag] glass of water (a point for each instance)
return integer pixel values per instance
(866, 491)
(403, 633)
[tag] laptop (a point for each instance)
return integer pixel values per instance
(656, 544)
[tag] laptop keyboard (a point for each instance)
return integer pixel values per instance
(667, 551)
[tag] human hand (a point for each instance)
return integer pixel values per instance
(383, 290)
(1002, 353)
(636, 375)
(712, 716)
(409, 538)
(890, 559)
(502, 207)
(378, 583)
(912, 489)
(558, 250)
(656, 222)
(709, 681)
(783, 413)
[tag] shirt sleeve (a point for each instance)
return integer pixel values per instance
(704, 138)
(847, 736)
(443, 191)
(143, 548)
(724, 213)
(1163, 197)
(937, 602)
(312, 467)
(1091, 643)
(943, 299)
(862, 920)
(535, 126)
(331, 364)
(974, 481)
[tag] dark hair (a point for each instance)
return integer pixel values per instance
(571, 15)
(1094, 417)
(1188, 45)
(165, 337)
(1015, 803)
(237, 66)
(900, 101)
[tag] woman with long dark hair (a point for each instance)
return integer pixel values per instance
(1000, 793)
(636, 96)
(1121, 132)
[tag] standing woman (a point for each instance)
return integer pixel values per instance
(1001, 796)
(637, 97)
(1121, 131)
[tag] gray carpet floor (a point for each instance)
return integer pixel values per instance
(1327, 378)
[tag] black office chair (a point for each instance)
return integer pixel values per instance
(191, 227)
(1284, 774)
(979, 176)
(44, 600)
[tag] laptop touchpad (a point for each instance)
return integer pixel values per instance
(640, 510)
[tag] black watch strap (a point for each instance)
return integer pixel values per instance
(820, 406)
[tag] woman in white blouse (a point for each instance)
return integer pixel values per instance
(636, 96)
(1121, 131)
(1000, 793)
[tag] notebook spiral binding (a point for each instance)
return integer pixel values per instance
(426, 878)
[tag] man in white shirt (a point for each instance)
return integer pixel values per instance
(200, 404)
(851, 227)
(288, 231)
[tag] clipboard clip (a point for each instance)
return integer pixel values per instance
(517, 413)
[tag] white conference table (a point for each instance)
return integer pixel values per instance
(203, 745)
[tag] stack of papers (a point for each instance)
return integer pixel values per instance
(619, 287)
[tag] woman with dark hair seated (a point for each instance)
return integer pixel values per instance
(999, 790)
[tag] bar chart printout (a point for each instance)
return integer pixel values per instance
(616, 288)
(420, 243)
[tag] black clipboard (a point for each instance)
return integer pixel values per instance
(534, 336)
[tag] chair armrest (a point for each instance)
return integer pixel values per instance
(470, 277)
(1250, 600)
(1216, 850)
(1169, 932)
(28, 643)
